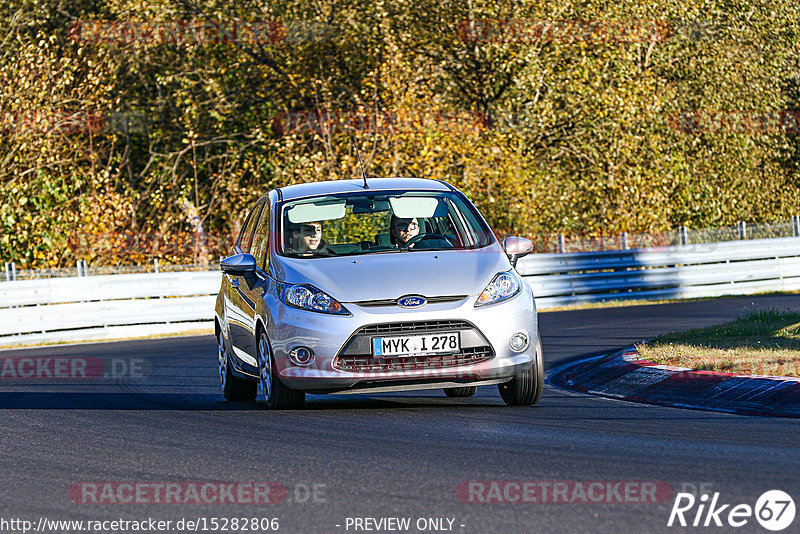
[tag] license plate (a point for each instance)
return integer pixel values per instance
(388, 347)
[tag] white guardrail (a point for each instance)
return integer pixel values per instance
(126, 305)
(688, 271)
(107, 306)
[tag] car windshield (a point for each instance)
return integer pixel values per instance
(380, 222)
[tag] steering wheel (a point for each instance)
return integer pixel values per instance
(424, 237)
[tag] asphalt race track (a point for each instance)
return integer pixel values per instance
(162, 419)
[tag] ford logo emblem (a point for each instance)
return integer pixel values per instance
(412, 301)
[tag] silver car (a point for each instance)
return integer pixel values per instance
(390, 284)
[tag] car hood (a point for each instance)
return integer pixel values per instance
(393, 275)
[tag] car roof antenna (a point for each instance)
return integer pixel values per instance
(360, 164)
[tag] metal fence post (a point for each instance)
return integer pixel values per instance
(742, 226)
(11, 271)
(796, 225)
(81, 266)
(683, 235)
(623, 241)
(155, 265)
(560, 243)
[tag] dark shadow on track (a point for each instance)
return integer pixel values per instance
(550, 408)
(550, 365)
(117, 401)
(215, 402)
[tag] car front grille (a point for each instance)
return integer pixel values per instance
(368, 363)
(417, 327)
(356, 355)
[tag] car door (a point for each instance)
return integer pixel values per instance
(240, 309)
(253, 290)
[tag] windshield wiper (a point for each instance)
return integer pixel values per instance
(434, 249)
(368, 251)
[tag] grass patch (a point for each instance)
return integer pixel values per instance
(763, 343)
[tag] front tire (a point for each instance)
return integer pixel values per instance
(233, 388)
(466, 391)
(526, 387)
(278, 396)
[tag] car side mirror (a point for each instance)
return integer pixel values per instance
(239, 264)
(517, 247)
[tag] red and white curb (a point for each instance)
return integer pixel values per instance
(627, 376)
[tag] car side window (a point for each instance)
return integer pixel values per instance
(260, 248)
(246, 237)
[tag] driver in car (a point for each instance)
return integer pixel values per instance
(307, 239)
(402, 230)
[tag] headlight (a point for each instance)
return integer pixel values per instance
(308, 297)
(502, 287)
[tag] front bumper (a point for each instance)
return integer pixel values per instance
(329, 336)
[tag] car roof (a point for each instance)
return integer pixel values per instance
(332, 187)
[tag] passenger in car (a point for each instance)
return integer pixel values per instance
(306, 239)
(402, 230)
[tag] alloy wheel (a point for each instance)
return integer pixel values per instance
(223, 363)
(265, 366)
